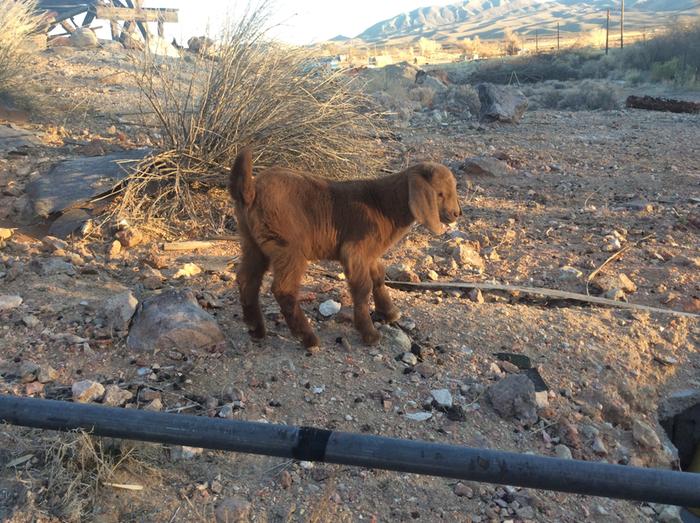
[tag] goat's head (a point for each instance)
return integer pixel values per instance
(432, 196)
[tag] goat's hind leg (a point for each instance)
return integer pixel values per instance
(288, 270)
(253, 266)
(360, 282)
(382, 300)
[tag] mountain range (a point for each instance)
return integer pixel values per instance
(489, 18)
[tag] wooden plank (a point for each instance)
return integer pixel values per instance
(144, 14)
(551, 294)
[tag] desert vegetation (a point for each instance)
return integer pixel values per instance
(18, 21)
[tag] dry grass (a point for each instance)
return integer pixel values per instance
(70, 470)
(247, 91)
(18, 21)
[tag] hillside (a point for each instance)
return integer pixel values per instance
(489, 18)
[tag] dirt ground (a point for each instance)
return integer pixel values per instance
(574, 183)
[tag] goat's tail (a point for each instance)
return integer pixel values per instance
(241, 183)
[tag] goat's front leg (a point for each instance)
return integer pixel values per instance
(360, 283)
(382, 300)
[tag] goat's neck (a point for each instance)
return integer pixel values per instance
(391, 195)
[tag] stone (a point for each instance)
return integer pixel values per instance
(51, 266)
(188, 270)
(463, 491)
(129, 237)
(119, 309)
(426, 370)
(606, 283)
(154, 406)
(83, 37)
(46, 374)
(569, 273)
(500, 103)
(486, 166)
(563, 452)
(598, 446)
(401, 272)
(432, 275)
(115, 249)
(232, 510)
(329, 308)
(115, 396)
(442, 398)
(86, 391)
(30, 321)
(542, 399)
(199, 44)
(466, 256)
(174, 320)
(670, 514)
(514, 397)
(419, 416)
(28, 371)
(73, 182)
(9, 302)
(5, 234)
(616, 295)
(396, 339)
(476, 296)
(182, 453)
(226, 411)
(644, 435)
(15, 139)
(70, 222)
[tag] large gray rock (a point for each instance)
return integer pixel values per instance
(514, 397)
(119, 309)
(69, 222)
(14, 139)
(76, 181)
(500, 103)
(174, 320)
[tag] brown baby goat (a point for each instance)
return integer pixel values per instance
(287, 218)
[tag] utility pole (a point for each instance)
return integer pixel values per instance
(607, 33)
(557, 36)
(537, 41)
(622, 24)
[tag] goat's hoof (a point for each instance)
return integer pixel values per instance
(310, 340)
(258, 333)
(371, 338)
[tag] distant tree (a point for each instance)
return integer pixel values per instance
(428, 47)
(513, 43)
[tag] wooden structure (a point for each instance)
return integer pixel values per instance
(124, 16)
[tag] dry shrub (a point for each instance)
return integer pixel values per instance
(248, 90)
(588, 95)
(18, 21)
(423, 95)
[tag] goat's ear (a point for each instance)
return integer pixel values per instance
(422, 200)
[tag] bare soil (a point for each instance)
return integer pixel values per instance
(574, 179)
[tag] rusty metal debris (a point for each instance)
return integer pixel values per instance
(651, 103)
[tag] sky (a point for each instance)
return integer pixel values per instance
(301, 22)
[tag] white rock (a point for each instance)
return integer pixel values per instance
(115, 396)
(419, 416)
(86, 391)
(542, 399)
(563, 452)
(182, 452)
(9, 302)
(409, 358)
(442, 398)
(187, 271)
(644, 435)
(328, 308)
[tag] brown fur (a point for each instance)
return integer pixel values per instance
(287, 218)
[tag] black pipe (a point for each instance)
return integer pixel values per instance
(505, 468)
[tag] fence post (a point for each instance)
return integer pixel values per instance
(622, 25)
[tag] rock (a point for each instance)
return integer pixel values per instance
(5, 234)
(476, 296)
(72, 182)
(9, 302)
(86, 391)
(401, 272)
(159, 46)
(442, 398)
(514, 397)
(607, 283)
(199, 44)
(232, 510)
(542, 399)
(466, 256)
(328, 308)
(115, 249)
(432, 275)
(187, 271)
(154, 406)
(70, 222)
(174, 320)
(670, 514)
(485, 166)
(51, 267)
(598, 446)
(419, 416)
(46, 374)
(226, 411)
(115, 396)
(612, 244)
(119, 309)
(644, 435)
(181, 452)
(395, 338)
(83, 37)
(426, 370)
(14, 139)
(28, 371)
(563, 452)
(129, 237)
(569, 273)
(501, 103)
(463, 491)
(615, 294)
